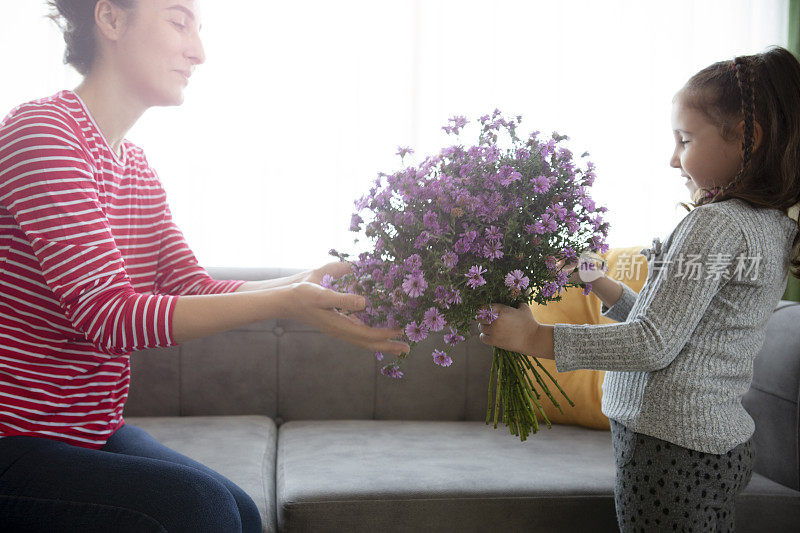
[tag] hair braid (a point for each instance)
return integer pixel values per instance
(745, 79)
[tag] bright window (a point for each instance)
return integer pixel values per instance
(300, 104)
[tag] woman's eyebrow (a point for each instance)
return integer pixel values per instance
(681, 131)
(187, 11)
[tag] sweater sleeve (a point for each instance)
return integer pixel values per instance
(47, 184)
(178, 271)
(674, 304)
(620, 310)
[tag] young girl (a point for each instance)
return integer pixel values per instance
(92, 267)
(682, 355)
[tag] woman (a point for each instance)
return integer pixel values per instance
(92, 267)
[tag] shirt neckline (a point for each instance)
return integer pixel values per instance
(117, 159)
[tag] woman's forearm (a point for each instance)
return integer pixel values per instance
(248, 286)
(201, 316)
(607, 289)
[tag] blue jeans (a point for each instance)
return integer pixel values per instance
(132, 484)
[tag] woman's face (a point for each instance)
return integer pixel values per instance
(704, 157)
(159, 49)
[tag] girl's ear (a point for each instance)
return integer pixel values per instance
(757, 135)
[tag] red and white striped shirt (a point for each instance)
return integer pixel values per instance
(91, 265)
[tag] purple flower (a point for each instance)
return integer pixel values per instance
(355, 222)
(550, 262)
(393, 371)
(431, 220)
(416, 332)
(434, 320)
(453, 337)
(415, 284)
(514, 176)
(493, 250)
(403, 150)
(450, 259)
(487, 314)
(517, 280)
(549, 222)
(327, 281)
(562, 278)
(572, 225)
(413, 263)
(441, 358)
(493, 234)
(587, 289)
(569, 253)
(557, 211)
(454, 298)
(379, 356)
(422, 240)
(458, 122)
(475, 276)
(550, 289)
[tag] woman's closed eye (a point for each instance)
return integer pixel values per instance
(178, 24)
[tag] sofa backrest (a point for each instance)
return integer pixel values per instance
(774, 397)
(289, 371)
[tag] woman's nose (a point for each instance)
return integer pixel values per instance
(196, 52)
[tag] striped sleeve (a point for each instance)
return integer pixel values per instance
(47, 184)
(674, 305)
(178, 271)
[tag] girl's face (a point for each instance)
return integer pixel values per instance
(159, 49)
(704, 157)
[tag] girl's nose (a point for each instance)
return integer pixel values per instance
(675, 161)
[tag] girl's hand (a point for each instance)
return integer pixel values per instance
(575, 276)
(513, 329)
(336, 270)
(319, 307)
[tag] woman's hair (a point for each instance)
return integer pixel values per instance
(763, 88)
(75, 18)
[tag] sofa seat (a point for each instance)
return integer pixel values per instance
(380, 475)
(241, 448)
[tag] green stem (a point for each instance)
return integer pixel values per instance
(554, 381)
(492, 376)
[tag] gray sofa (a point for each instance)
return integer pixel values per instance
(322, 442)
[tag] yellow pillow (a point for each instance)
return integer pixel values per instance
(585, 387)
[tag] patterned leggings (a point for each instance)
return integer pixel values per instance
(661, 486)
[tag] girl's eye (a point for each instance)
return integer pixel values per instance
(178, 24)
(684, 142)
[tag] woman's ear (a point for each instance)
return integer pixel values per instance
(110, 19)
(757, 135)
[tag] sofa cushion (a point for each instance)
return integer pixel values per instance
(241, 448)
(381, 475)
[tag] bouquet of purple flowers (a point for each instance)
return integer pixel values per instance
(469, 226)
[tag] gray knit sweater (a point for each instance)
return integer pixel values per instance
(681, 356)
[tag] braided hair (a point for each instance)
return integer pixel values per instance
(761, 88)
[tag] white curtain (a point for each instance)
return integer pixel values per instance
(300, 104)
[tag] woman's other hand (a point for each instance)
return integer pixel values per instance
(335, 269)
(325, 310)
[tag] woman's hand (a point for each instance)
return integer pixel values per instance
(319, 307)
(335, 269)
(513, 329)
